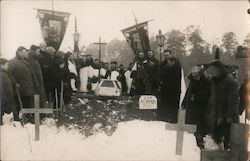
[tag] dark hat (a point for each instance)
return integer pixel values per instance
(20, 48)
(59, 54)
(113, 62)
(3, 61)
(216, 68)
(34, 47)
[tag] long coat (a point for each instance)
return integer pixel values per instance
(61, 75)
(6, 93)
(38, 75)
(46, 63)
(152, 76)
(196, 102)
(223, 103)
(23, 75)
(138, 75)
(170, 91)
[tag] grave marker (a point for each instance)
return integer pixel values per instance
(148, 102)
(36, 110)
(180, 127)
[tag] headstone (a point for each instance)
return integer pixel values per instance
(180, 127)
(147, 102)
(36, 110)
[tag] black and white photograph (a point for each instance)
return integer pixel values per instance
(125, 80)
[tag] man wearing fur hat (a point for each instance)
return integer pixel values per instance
(223, 107)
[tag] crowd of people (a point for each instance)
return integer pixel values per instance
(211, 100)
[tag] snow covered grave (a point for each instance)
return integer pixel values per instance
(132, 140)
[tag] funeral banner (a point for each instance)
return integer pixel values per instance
(137, 37)
(53, 26)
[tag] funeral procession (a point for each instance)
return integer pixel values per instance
(125, 80)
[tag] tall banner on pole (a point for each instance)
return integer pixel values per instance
(137, 37)
(53, 25)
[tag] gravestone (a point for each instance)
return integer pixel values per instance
(147, 102)
(37, 111)
(180, 127)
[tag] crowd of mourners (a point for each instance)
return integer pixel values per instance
(211, 101)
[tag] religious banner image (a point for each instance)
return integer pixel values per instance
(137, 37)
(53, 26)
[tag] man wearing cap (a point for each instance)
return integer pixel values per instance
(23, 77)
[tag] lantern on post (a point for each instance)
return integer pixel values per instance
(160, 39)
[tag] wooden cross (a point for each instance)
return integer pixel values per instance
(36, 110)
(100, 43)
(180, 127)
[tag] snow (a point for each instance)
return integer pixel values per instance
(132, 140)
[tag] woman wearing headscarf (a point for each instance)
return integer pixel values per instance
(196, 101)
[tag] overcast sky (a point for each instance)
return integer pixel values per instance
(19, 25)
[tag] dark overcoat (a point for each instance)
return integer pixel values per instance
(23, 75)
(152, 76)
(61, 75)
(34, 63)
(196, 102)
(46, 63)
(170, 91)
(223, 103)
(6, 93)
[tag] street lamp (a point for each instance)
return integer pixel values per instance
(160, 39)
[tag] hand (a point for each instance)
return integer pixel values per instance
(17, 85)
(220, 122)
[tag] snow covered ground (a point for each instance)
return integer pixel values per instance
(132, 140)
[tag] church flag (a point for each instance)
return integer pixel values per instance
(137, 37)
(53, 25)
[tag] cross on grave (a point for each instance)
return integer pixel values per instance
(180, 127)
(100, 43)
(36, 110)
